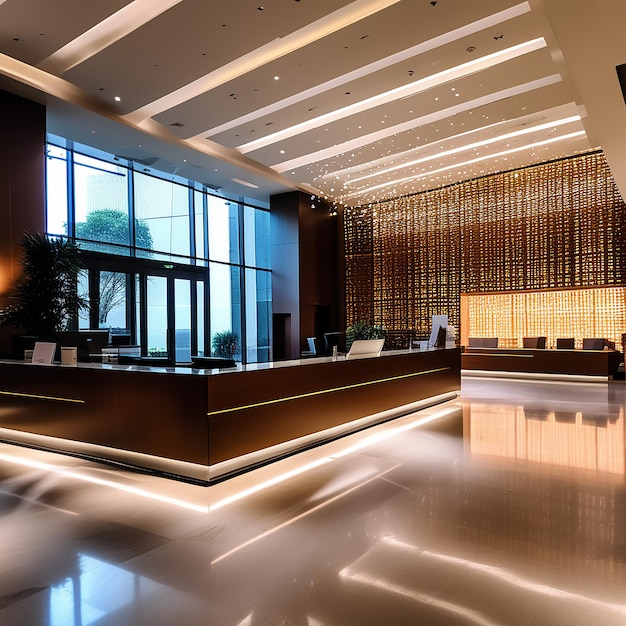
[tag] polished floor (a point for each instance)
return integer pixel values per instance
(506, 507)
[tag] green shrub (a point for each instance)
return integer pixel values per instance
(363, 330)
(225, 344)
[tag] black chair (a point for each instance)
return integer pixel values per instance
(593, 344)
(534, 342)
(482, 342)
(313, 345)
(565, 343)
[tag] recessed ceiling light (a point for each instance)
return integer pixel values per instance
(276, 77)
(118, 99)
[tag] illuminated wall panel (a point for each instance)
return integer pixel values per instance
(552, 226)
(578, 313)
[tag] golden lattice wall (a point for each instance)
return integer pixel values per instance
(555, 225)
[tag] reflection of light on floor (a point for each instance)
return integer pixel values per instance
(473, 617)
(249, 483)
(269, 483)
(392, 432)
(498, 575)
(369, 440)
(564, 437)
(302, 515)
(48, 467)
(310, 621)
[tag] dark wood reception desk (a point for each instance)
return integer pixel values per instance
(204, 425)
(595, 364)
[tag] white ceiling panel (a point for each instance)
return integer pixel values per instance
(357, 101)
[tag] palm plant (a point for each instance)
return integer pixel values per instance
(46, 296)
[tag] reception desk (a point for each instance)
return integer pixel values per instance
(203, 425)
(597, 365)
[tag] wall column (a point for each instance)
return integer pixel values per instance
(22, 188)
(307, 282)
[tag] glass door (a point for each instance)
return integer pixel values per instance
(182, 321)
(156, 332)
(173, 316)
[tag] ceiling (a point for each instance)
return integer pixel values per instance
(351, 101)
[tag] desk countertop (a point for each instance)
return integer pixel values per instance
(193, 371)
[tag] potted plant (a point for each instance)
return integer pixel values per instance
(363, 330)
(225, 344)
(46, 296)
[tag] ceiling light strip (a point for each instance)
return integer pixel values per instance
(554, 113)
(106, 33)
(470, 146)
(327, 25)
(530, 146)
(431, 118)
(376, 66)
(418, 86)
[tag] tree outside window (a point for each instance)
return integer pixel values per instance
(106, 226)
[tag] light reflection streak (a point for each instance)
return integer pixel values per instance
(302, 515)
(469, 615)
(387, 434)
(239, 494)
(503, 575)
(368, 441)
(48, 467)
(269, 483)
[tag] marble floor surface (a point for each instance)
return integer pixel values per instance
(504, 507)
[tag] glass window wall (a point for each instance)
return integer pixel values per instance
(163, 207)
(57, 190)
(101, 211)
(132, 225)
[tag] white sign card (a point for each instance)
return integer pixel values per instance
(44, 353)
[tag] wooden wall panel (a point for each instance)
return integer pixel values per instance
(550, 226)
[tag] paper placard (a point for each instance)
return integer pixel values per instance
(43, 353)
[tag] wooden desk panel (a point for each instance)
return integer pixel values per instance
(198, 418)
(269, 407)
(534, 361)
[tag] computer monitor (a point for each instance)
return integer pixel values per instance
(440, 341)
(565, 343)
(120, 339)
(333, 339)
(86, 341)
(534, 342)
(482, 342)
